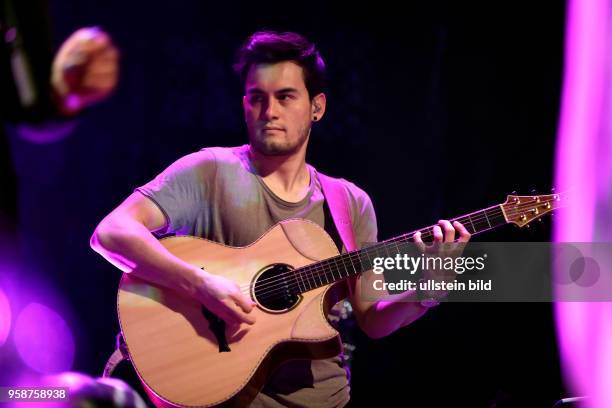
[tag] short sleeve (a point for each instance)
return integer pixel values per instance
(366, 228)
(363, 216)
(181, 190)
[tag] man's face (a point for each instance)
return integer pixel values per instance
(277, 108)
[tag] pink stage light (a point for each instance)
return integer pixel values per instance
(5, 318)
(584, 167)
(43, 339)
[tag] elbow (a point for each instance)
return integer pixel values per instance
(374, 328)
(373, 334)
(103, 238)
(110, 240)
(376, 332)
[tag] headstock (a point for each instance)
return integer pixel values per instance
(521, 210)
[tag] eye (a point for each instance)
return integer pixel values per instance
(285, 97)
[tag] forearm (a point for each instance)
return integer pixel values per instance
(130, 246)
(383, 317)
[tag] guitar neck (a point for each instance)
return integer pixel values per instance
(355, 262)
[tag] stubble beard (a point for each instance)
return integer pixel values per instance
(271, 147)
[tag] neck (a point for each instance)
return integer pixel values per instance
(285, 172)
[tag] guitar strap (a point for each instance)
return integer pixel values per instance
(337, 203)
(118, 356)
(336, 208)
(336, 199)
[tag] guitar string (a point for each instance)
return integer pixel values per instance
(426, 233)
(301, 274)
(280, 286)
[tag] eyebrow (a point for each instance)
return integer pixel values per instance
(280, 91)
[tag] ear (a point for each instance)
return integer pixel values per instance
(317, 107)
(245, 103)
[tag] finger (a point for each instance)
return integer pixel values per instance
(245, 318)
(437, 232)
(84, 56)
(86, 44)
(106, 59)
(232, 327)
(464, 234)
(93, 38)
(245, 303)
(102, 81)
(224, 313)
(449, 231)
(101, 68)
(110, 55)
(236, 312)
(419, 241)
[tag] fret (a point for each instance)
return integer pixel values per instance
(353, 265)
(397, 247)
(487, 218)
(472, 224)
(386, 248)
(311, 279)
(322, 273)
(338, 265)
(365, 252)
(299, 277)
(498, 214)
(347, 269)
(370, 252)
(308, 277)
(480, 224)
(332, 270)
(327, 272)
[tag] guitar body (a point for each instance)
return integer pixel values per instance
(175, 347)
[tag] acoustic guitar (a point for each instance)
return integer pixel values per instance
(185, 356)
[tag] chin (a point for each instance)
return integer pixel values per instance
(270, 147)
(275, 149)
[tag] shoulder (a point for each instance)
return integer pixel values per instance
(358, 197)
(363, 216)
(208, 159)
(226, 158)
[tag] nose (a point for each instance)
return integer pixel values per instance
(270, 110)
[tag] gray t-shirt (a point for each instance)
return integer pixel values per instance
(216, 194)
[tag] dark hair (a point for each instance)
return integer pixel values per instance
(269, 47)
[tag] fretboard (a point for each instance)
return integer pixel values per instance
(355, 262)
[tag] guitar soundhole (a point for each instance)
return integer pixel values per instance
(275, 288)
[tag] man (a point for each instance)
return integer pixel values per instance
(233, 195)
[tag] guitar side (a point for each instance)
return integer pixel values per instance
(176, 353)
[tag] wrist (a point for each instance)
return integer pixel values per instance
(429, 298)
(193, 280)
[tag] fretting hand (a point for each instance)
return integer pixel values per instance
(443, 246)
